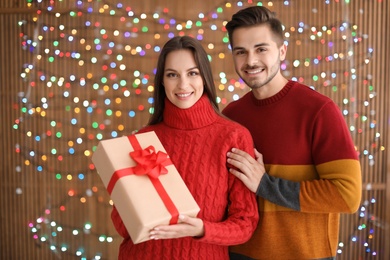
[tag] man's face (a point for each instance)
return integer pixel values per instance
(256, 55)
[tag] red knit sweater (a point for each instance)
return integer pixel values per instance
(197, 140)
(313, 172)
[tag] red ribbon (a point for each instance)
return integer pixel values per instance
(151, 164)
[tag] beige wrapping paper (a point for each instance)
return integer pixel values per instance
(136, 199)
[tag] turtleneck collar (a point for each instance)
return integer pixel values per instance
(275, 98)
(199, 115)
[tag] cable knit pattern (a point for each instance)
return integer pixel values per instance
(197, 140)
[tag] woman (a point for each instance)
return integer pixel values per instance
(197, 138)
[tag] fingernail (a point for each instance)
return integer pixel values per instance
(181, 216)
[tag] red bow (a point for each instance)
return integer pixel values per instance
(149, 162)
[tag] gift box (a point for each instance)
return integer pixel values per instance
(143, 183)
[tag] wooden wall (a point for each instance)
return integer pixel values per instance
(62, 90)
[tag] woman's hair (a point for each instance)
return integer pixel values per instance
(203, 64)
(256, 15)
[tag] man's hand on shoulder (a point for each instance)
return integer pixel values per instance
(246, 168)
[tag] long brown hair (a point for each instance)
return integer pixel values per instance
(202, 62)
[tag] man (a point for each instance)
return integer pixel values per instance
(311, 171)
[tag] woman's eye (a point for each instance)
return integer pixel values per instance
(193, 73)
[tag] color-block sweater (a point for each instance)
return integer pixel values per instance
(313, 172)
(197, 140)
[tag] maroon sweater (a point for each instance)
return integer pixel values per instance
(197, 140)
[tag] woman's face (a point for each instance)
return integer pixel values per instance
(182, 80)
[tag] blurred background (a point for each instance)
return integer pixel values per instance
(76, 72)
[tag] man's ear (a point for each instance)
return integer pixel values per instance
(283, 52)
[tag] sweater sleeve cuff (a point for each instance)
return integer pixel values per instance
(203, 238)
(279, 191)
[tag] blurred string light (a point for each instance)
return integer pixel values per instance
(110, 50)
(365, 231)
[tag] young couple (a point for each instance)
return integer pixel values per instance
(282, 203)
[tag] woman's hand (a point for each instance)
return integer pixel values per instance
(186, 227)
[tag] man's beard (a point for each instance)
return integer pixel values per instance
(258, 84)
(255, 84)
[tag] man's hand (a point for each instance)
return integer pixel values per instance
(247, 169)
(187, 227)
